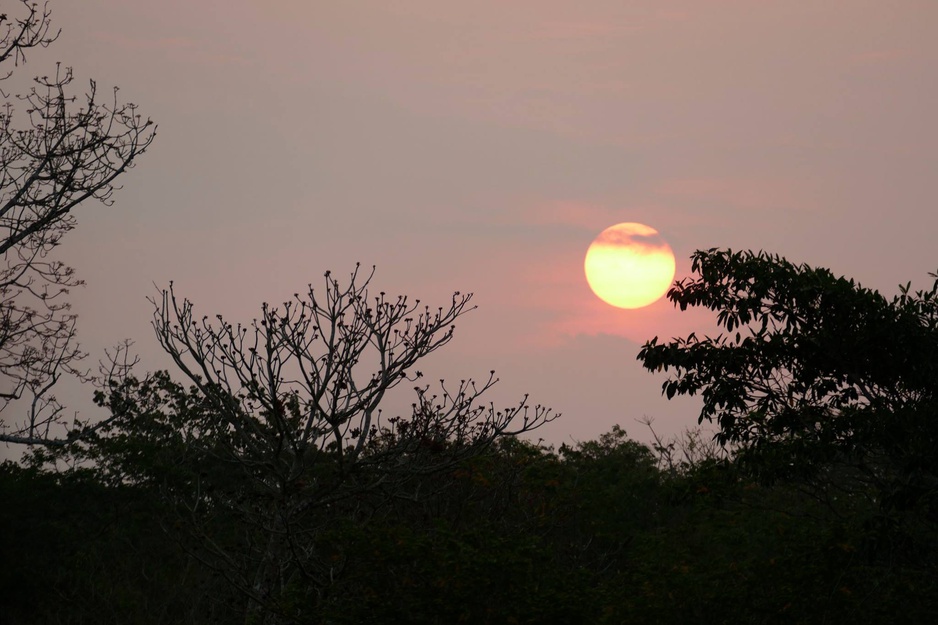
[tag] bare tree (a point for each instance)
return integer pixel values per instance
(685, 451)
(282, 428)
(68, 150)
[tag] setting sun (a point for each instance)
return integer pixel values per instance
(629, 265)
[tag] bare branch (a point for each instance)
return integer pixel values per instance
(282, 426)
(64, 152)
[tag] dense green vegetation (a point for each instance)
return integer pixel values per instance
(600, 533)
(816, 503)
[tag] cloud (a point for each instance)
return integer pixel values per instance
(759, 194)
(883, 56)
(568, 30)
(581, 215)
(179, 47)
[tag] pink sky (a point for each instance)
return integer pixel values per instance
(481, 146)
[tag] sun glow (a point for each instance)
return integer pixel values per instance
(629, 265)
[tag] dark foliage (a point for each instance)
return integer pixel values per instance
(823, 513)
(590, 534)
(812, 373)
(78, 551)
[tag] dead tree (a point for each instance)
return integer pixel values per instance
(57, 150)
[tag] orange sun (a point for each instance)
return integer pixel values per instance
(629, 265)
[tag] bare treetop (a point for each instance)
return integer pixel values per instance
(57, 151)
(315, 370)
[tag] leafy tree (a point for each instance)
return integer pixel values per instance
(814, 377)
(281, 436)
(55, 154)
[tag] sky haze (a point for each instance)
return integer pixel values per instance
(482, 146)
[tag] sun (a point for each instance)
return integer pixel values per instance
(629, 265)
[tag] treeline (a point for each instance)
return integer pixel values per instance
(271, 490)
(259, 483)
(608, 531)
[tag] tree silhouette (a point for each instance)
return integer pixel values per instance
(67, 151)
(282, 431)
(811, 371)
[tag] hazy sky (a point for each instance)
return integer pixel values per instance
(481, 146)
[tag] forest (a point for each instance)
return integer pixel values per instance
(258, 480)
(607, 532)
(815, 503)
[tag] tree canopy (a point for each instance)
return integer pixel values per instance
(281, 437)
(809, 368)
